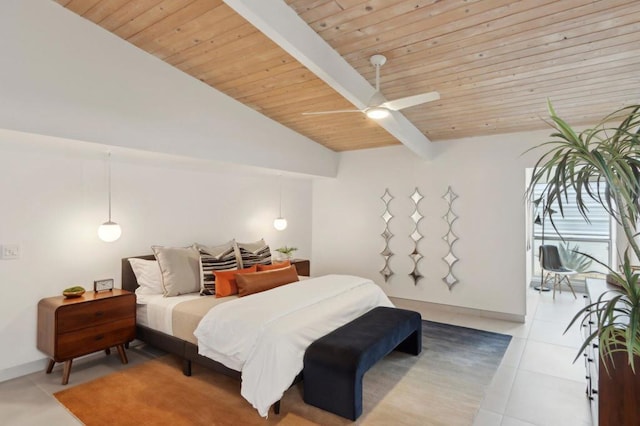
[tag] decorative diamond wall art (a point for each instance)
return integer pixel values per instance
(450, 259)
(416, 236)
(386, 253)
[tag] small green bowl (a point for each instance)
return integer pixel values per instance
(73, 293)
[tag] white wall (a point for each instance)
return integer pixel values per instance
(53, 197)
(64, 76)
(487, 173)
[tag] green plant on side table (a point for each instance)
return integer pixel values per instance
(601, 163)
(287, 251)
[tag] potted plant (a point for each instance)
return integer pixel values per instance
(287, 251)
(572, 258)
(602, 163)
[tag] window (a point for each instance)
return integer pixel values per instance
(593, 237)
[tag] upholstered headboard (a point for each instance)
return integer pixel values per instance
(129, 281)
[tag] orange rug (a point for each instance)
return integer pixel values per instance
(157, 393)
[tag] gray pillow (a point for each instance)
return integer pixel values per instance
(180, 268)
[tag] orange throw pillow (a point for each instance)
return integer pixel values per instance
(277, 265)
(262, 281)
(226, 280)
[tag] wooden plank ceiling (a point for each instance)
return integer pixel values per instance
(494, 62)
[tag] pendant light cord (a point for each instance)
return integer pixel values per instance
(109, 181)
(280, 184)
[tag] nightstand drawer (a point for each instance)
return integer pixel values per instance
(92, 339)
(75, 317)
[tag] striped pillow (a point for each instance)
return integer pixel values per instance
(214, 259)
(257, 253)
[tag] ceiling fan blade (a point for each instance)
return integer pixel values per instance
(410, 101)
(331, 112)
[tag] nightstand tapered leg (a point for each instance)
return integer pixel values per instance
(107, 351)
(67, 371)
(50, 366)
(123, 355)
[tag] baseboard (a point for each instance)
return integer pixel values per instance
(23, 369)
(422, 306)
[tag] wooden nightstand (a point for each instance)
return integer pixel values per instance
(69, 328)
(303, 266)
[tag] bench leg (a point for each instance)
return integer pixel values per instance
(412, 344)
(336, 392)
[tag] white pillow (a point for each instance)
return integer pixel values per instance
(148, 276)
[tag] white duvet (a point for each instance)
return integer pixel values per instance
(265, 335)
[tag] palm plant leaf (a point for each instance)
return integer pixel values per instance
(602, 164)
(617, 316)
(591, 160)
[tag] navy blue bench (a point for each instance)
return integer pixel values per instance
(334, 365)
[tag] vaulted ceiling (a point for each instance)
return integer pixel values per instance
(494, 62)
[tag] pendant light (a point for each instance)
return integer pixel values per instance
(109, 231)
(280, 223)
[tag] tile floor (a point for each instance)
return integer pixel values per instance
(29, 401)
(536, 383)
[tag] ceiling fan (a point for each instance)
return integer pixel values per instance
(378, 107)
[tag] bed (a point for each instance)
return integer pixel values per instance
(264, 335)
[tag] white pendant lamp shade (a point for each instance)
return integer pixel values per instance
(109, 231)
(280, 223)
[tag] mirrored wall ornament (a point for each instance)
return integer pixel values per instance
(450, 237)
(450, 259)
(415, 255)
(386, 235)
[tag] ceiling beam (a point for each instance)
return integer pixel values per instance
(281, 24)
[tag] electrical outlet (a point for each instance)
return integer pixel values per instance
(10, 251)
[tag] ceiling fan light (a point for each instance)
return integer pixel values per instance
(377, 113)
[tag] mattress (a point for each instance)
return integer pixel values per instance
(176, 316)
(141, 315)
(166, 313)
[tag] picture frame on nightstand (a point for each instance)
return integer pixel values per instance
(103, 285)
